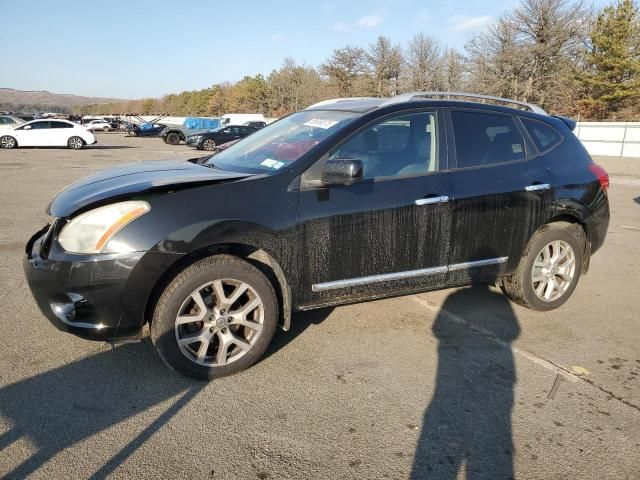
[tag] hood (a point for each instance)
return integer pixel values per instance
(132, 179)
(200, 131)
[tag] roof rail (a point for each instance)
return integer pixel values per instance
(338, 100)
(407, 97)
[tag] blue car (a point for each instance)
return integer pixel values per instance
(145, 130)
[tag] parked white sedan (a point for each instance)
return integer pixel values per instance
(47, 133)
(94, 125)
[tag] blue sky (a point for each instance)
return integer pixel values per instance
(138, 48)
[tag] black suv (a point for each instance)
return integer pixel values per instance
(346, 201)
(211, 140)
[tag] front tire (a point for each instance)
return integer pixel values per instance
(75, 143)
(216, 318)
(549, 269)
(209, 145)
(173, 138)
(7, 141)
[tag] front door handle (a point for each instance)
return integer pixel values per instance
(537, 187)
(432, 200)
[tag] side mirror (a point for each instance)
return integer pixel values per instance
(342, 171)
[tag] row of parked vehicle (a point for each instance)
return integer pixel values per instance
(210, 134)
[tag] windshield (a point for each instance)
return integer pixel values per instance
(281, 143)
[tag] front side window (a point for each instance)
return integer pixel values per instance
(544, 136)
(397, 147)
(282, 143)
(486, 139)
(39, 125)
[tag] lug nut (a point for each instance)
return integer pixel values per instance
(221, 312)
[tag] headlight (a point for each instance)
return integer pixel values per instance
(195, 138)
(91, 231)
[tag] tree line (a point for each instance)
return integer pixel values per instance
(559, 54)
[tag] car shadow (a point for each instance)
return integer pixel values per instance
(108, 147)
(467, 425)
(66, 405)
(300, 322)
(637, 200)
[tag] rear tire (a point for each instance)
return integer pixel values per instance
(7, 141)
(75, 143)
(549, 269)
(105, 129)
(173, 138)
(196, 316)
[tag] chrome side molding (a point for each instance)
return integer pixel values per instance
(355, 282)
(423, 272)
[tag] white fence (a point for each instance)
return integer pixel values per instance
(615, 139)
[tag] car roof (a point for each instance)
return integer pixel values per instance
(367, 104)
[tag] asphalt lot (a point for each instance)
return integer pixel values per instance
(439, 385)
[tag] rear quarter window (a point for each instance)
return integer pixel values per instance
(544, 135)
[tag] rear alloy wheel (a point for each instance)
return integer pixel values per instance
(216, 318)
(209, 145)
(105, 129)
(75, 143)
(173, 138)
(8, 141)
(549, 270)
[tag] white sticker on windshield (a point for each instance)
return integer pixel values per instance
(269, 163)
(278, 165)
(516, 147)
(319, 123)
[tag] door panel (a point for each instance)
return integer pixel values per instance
(499, 197)
(383, 235)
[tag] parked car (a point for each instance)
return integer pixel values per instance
(145, 130)
(9, 121)
(47, 133)
(211, 140)
(383, 197)
(102, 125)
(191, 126)
(256, 125)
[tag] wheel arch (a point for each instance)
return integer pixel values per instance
(257, 256)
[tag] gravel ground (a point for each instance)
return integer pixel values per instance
(447, 384)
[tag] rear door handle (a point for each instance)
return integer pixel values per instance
(432, 200)
(536, 187)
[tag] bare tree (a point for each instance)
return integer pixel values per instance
(423, 60)
(345, 66)
(453, 71)
(384, 61)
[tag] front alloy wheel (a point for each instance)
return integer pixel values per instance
(219, 322)
(216, 318)
(209, 145)
(8, 142)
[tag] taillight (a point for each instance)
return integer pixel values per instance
(601, 173)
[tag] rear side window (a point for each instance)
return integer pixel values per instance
(61, 125)
(486, 139)
(544, 136)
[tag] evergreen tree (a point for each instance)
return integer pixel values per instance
(612, 77)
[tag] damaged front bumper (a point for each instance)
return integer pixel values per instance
(81, 294)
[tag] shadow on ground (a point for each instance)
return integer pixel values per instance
(637, 200)
(64, 406)
(467, 425)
